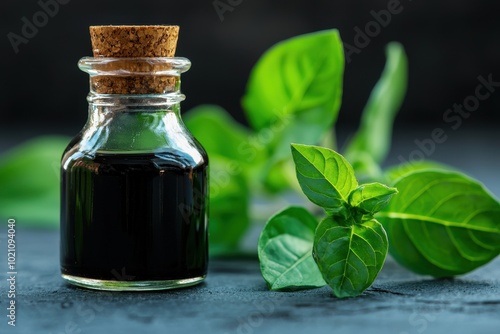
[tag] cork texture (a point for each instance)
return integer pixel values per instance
(134, 42)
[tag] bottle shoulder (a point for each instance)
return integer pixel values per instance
(160, 135)
(190, 156)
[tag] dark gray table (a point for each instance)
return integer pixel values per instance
(234, 299)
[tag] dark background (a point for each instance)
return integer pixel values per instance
(449, 44)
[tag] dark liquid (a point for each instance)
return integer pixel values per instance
(134, 217)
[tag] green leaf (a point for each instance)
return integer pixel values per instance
(308, 128)
(229, 200)
(300, 75)
(374, 134)
(367, 169)
(29, 182)
(392, 174)
(285, 251)
(279, 176)
(220, 135)
(325, 177)
(294, 95)
(305, 128)
(349, 257)
(372, 197)
(442, 223)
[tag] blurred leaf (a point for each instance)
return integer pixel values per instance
(232, 150)
(305, 128)
(219, 134)
(229, 201)
(29, 181)
(394, 173)
(374, 135)
(367, 169)
(279, 176)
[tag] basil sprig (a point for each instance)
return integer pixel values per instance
(349, 246)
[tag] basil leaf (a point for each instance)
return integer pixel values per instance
(229, 200)
(285, 247)
(394, 173)
(325, 177)
(232, 153)
(372, 197)
(279, 176)
(374, 134)
(349, 256)
(367, 169)
(221, 135)
(294, 95)
(296, 76)
(442, 223)
(305, 128)
(29, 182)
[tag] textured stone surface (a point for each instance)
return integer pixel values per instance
(234, 299)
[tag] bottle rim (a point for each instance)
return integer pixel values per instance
(138, 66)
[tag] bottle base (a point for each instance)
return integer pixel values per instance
(106, 285)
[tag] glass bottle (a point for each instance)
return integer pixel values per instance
(134, 183)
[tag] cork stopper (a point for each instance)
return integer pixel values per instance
(134, 41)
(130, 42)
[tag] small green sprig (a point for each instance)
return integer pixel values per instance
(349, 246)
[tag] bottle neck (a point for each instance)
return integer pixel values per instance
(115, 104)
(134, 105)
(132, 124)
